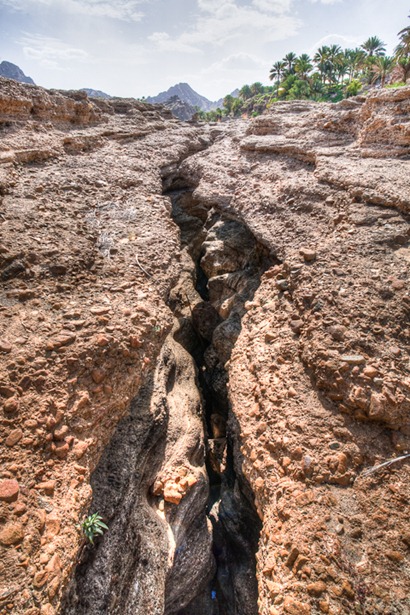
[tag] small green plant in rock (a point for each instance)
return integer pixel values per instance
(93, 526)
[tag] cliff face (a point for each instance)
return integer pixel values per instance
(191, 320)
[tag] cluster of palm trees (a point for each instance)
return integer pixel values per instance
(334, 72)
(331, 74)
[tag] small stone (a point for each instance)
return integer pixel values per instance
(135, 341)
(9, 490)
(347, 589)
(317, 588)
(11, 534)
(282, 284)
(61, 450)
(293, 554)
(296, 325)
(53, 526)
(99, 311)
(14, 437)
(5, 346)
(7, 392)
(370, 371)
(338, 332)
(406, 538)
(171, 494)
(308, 255)
(80, 448)
(98, 375)
(64, 339)
(11, 405)
(102, 340)
(353, 359)
(47, 486)
(398, 284)
(60, 434)
(334, 445)
(394, 556)
(294, 607)
(19, 508)
(40, 579)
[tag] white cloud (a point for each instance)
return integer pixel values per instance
(51, 52)
(125, 10)
(163, 42)
(335, 39)
(236, 62)
(273, 6)
(222, 21)
(326, 1)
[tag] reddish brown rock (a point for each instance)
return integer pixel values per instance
(11, 534)
(9, 490)
(14, 437)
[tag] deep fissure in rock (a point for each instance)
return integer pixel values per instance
(227, 263)
(157, 557)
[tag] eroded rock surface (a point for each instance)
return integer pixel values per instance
(319, 377)
(101, 305)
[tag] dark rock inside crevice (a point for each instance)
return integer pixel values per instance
(116, 575)
(226, 265)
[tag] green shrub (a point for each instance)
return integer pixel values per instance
(93, 526)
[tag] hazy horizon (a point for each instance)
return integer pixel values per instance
(142, 47)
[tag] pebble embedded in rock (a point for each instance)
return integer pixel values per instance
(308, 255)
(353, 359)
(11, 534)
(9, 490)
(317, 588)
(14, 437)
(5, 346)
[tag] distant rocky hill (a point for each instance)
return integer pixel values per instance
(12, 71)
(182, 110)
(95, 93)
(186, 94)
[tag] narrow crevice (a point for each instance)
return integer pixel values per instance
(160, 555)
(226, 263)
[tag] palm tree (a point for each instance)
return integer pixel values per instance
(355, 62)
(245, 92)
(402, 51)
(335, 57)
(256, 88)
(227, 103)
(277, 72)
(321, 59)
(382, 67)
(289, 61)
(303, 66)
(374, 46)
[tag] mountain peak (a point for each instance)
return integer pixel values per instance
(186, 94)
(12, 71)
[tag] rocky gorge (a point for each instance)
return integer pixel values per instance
(204, 338)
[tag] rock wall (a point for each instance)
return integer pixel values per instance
(88, 255)
(319, 385)
(319, 377)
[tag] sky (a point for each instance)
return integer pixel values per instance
(141, 47)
